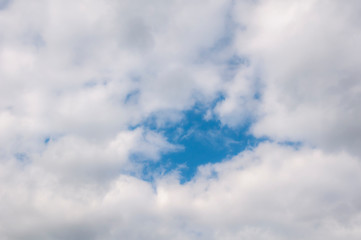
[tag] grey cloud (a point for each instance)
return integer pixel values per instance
(4, 4)
(138, 35)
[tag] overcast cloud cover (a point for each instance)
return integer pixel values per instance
(89, 88)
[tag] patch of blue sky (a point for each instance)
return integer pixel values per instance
(47, 140)
(204, 141)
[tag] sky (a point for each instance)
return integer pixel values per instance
(209, 119)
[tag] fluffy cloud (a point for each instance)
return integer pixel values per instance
(94, 69)
(272, 192)
(304, 54)
(81, 83)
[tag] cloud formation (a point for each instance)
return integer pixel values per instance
(88, 89)
(306, 53)
(272, 192)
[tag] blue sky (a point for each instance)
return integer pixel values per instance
(207, 120)
(204, 141)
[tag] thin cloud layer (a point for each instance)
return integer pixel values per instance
(88, 90)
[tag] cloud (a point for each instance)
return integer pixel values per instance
(77, 159)
(88, 90)
(69, 69)
(304, 55)
(271, 192)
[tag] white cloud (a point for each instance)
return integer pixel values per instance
(77, 159)
(305, 55)
(272, 192)
(79, 81)
(70, 68)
